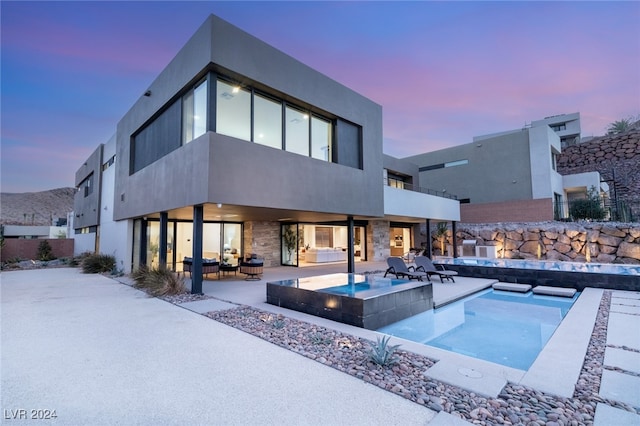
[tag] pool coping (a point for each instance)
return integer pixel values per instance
(557, 367)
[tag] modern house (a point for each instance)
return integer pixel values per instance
(508, 176)
(566, 126)
(237, 148)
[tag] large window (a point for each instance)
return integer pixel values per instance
(297, 131)
(156, 139)
(87, 185)
(276, 124)
(194, 113)
(267, 124)
(233, 111)
(320, 139)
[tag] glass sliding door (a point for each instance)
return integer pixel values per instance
(232, 242)
(329, 243)
(153, 244)
(182, 242)
(211, 241)
(290, 237)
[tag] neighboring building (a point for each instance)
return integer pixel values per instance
(506, 177)
(34, 231)
(566, 126)
(238, 148)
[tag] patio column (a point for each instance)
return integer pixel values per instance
(428, 248)
(164, 223)
(196, 271)
(351, 267)
(142, 256)
(454, 245)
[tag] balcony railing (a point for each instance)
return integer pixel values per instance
(395, 183)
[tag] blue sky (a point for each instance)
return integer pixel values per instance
(442, 71)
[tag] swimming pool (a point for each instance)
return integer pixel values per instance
(497, 326)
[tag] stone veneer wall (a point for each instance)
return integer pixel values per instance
(263, 238)
(609, 155)
(378, 248)
(576, 242)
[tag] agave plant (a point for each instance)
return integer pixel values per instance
(382, 353)
(318, 338)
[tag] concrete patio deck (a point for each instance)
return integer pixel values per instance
(66, 339)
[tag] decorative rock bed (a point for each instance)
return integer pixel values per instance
(516, 405)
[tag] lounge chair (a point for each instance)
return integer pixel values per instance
(424, 264)
(398, 268)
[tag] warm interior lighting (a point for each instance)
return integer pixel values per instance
(235, 89)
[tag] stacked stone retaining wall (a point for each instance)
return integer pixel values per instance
(574, 242)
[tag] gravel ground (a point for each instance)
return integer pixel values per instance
(516, 405)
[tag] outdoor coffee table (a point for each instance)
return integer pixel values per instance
(226, 269)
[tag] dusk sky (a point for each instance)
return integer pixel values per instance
(442, 71)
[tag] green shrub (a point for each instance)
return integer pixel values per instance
(98, 263)
(158, 281)
(382, 353)
(589, 208)
(44, 251)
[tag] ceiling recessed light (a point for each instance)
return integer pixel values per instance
(235, 89)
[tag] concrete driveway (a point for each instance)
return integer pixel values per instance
(100, 352)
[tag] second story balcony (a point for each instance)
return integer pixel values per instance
(406, 201)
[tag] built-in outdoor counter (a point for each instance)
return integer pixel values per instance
(369, 302)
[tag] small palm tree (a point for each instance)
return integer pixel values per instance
(619, 126)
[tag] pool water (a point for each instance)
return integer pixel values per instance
(364, 284)
(501, 327)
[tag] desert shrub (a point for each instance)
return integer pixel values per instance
(97, 263)
(158, 281)
(382, 353)
(77, 260)
(44, 251)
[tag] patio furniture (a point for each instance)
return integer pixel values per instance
(252, 267)
(228, 268)
(209, 266)
(398, 268)
(409, 256)
(425, 264)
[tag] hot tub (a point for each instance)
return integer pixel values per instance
(363, 301)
